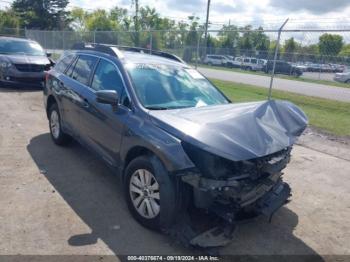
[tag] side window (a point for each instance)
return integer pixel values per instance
(62, 65)
(71, 67)
(83, 68)
(107, 77)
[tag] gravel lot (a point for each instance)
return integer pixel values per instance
(65, 201)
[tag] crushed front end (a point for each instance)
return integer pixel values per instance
(231, 190)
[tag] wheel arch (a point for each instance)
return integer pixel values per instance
(173, 157)
(50, 101)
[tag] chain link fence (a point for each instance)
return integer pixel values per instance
(315, 54)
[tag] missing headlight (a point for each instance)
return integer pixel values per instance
(213, 166)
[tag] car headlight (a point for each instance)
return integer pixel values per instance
(210, 165)
(5, 64)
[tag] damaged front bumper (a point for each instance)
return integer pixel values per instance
(238, 197)
(222, 234)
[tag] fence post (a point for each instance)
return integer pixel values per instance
(275, 57)
(94, 36)
(63, 40)
(197, 49)
(150, 41)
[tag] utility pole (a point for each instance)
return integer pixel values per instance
(136, 23)
(206, 29)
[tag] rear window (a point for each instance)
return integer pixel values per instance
(62, 65)
(83, 69)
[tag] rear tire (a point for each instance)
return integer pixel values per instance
(150, 193)
(58, 136)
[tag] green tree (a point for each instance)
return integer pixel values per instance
(42, 14)
(246, 43)
(345, 51)
(228, 37)
(78, 18)
(8, 21)
(289, 48)
(330, 44)
(261, 42)
(191, 38)
(99, 20)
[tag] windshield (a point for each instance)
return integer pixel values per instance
(20, 48)
(161, 87)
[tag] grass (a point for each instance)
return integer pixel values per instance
(301, 79)
(328, 115)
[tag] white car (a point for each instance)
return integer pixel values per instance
(252, 64)
(342, 77)
(219, 60)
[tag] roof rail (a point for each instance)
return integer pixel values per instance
(107, 49)
(114, 50)
(152, 52)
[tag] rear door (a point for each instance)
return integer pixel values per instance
(60, 84)
(75, 82)
(102, 124)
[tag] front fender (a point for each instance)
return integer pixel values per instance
(165, 146)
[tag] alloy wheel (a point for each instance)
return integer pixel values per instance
(144, 193)
(55, 124)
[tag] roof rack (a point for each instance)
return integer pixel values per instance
(107, 49)
(152, 52)
(114, 50)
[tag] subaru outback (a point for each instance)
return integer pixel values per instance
(176, 140)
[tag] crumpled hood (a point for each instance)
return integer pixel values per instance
(236, 131)
(26, 59)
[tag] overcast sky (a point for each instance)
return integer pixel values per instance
(270, 13)
(267, 12)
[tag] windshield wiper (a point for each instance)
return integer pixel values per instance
(157, 108)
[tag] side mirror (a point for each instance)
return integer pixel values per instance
(48, 54)
(109, 97)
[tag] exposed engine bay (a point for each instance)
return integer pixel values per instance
(233, 191)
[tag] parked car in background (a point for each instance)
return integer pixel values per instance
(342, 77)
(230, 61)
(301, 66)
(262, 62)
(282, 67)
(327, 68)
(237, 62)
(338, 68)
(22, 62)
(176, 141)
(312, 67)
(218, 60)
(252, 64)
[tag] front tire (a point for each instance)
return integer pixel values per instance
(150, 193)
(57, 135)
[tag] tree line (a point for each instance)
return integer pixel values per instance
(166, 33)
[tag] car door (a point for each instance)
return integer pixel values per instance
(76, 79)
(57, 83)
(103, 124)
(278, 67)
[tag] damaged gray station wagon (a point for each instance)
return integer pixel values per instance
(178, 143)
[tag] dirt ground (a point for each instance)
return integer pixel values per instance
(57, 200)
